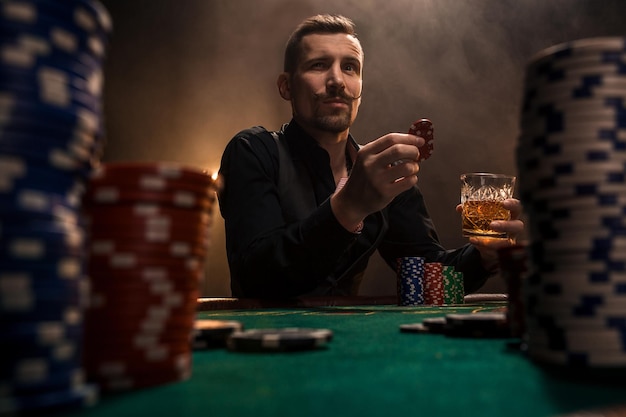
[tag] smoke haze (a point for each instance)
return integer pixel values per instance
(182, 77)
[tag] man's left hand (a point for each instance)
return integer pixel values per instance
(488, 247)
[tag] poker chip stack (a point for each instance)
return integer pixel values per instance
(420, 282)
(433, 283)
(51, 56)
(571, 156)
(148, 228)
(410, 280)
(453, 286)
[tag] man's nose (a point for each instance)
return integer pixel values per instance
(335, 78)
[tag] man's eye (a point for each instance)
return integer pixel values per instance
(351, 68)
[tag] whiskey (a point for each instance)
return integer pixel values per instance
(478, 214)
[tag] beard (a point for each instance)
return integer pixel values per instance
(336, 123)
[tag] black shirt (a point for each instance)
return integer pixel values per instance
(275, 251)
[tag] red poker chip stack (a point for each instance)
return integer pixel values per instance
(148, 226)
(433, 284)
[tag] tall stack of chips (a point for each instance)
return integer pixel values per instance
(148, 227)
(420, 282)
(571, 155)
(51, 56)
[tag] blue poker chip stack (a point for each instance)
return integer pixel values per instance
(51, 57)
(571, 160)
(410, 280)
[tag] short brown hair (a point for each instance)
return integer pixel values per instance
(321, 23)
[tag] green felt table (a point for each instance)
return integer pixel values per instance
(370, 368)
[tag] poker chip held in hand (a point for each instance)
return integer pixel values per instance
(424, 129)
(288, 339)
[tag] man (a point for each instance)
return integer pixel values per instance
(290, 230)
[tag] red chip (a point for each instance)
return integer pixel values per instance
(433, 283)
(424, 129)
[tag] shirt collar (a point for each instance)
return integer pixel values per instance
(301, 142)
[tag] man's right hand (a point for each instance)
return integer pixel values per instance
(383, 169)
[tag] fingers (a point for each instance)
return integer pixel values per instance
(383, 169)
(488, 243)
(387, 143)
(488, 249)
(514, 206)
(391, 159)
(512, 227)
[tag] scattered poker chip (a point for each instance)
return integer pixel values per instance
(477, 325)
(213, 333)
(414, 328)
(474, 325)
(435, 324)
(279, 340)
(424, 129)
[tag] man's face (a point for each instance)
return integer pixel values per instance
(326, 82)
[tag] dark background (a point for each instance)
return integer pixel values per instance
(183, 76)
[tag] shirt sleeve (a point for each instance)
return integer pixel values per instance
(412, 233)
(267, 256)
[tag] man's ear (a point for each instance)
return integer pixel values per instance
(283, 86)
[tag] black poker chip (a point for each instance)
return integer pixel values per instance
(414, 328)
(279, 340)
(435, 324)
(477, 325)
(213, 333)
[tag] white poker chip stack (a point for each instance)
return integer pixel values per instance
(571, 159)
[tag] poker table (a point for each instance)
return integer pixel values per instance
(369, 368)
